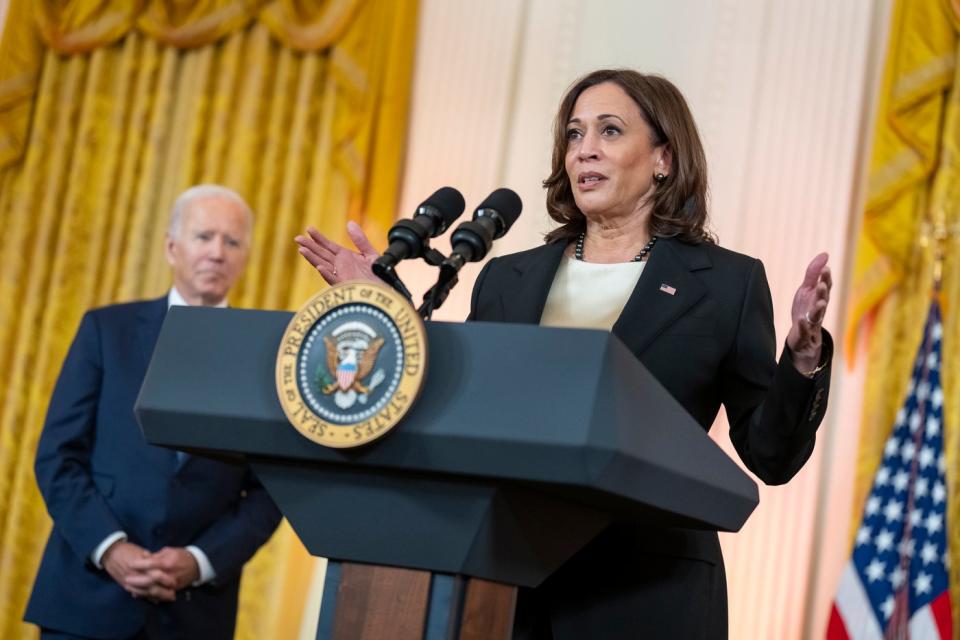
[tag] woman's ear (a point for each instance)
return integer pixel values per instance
(665, 162)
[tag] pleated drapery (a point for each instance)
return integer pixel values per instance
(109, 109)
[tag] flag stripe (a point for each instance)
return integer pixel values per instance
(854, 607)
(836, 630)
(923, 626)
(943, 615)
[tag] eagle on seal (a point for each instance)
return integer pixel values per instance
(349, 364)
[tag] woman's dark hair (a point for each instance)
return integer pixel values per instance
(679, 203)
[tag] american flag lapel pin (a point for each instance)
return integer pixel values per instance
(668, 289)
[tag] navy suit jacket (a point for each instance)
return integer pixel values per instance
(711, 342)
(98, 475)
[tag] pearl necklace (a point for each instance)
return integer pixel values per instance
(578, 250)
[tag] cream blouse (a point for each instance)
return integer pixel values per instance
(588, 295)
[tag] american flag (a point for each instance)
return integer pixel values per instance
(896, 585)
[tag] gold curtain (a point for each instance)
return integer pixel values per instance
(912, 213)
(108, 109)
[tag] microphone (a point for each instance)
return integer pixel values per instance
(472, 241)
(491, 220)
(410, 238)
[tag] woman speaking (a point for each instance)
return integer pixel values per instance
(632, 255)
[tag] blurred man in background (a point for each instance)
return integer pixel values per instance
(146, 542)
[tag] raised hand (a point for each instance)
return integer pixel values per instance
(335, 262)
(809, 307)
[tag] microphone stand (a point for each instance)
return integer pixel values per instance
(433, 298)
(389, 276)
(436, 295)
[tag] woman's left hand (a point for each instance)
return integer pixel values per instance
(809, 306)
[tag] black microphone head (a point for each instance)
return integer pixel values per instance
(507, 205)
(445, 201)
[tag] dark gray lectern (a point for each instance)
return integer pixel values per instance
(524, 444)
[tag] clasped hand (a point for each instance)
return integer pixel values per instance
(155, 576)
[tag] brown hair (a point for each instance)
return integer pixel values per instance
(679, 203)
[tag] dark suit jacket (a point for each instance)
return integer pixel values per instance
(710, 343)
(98, 475)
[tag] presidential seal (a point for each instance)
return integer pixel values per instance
(351, 364)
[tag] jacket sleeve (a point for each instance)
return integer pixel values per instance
(237, 534)
(774, 410)
(79, 511)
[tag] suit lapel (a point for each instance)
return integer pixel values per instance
(650, 310)
(524, 303)
(149, 321)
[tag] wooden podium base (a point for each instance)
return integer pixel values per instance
(368, 602)
(488, 610)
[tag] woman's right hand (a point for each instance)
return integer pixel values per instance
(335, 262)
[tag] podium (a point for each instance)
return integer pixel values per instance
(525, 443)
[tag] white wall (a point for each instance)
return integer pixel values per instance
(780, 91)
